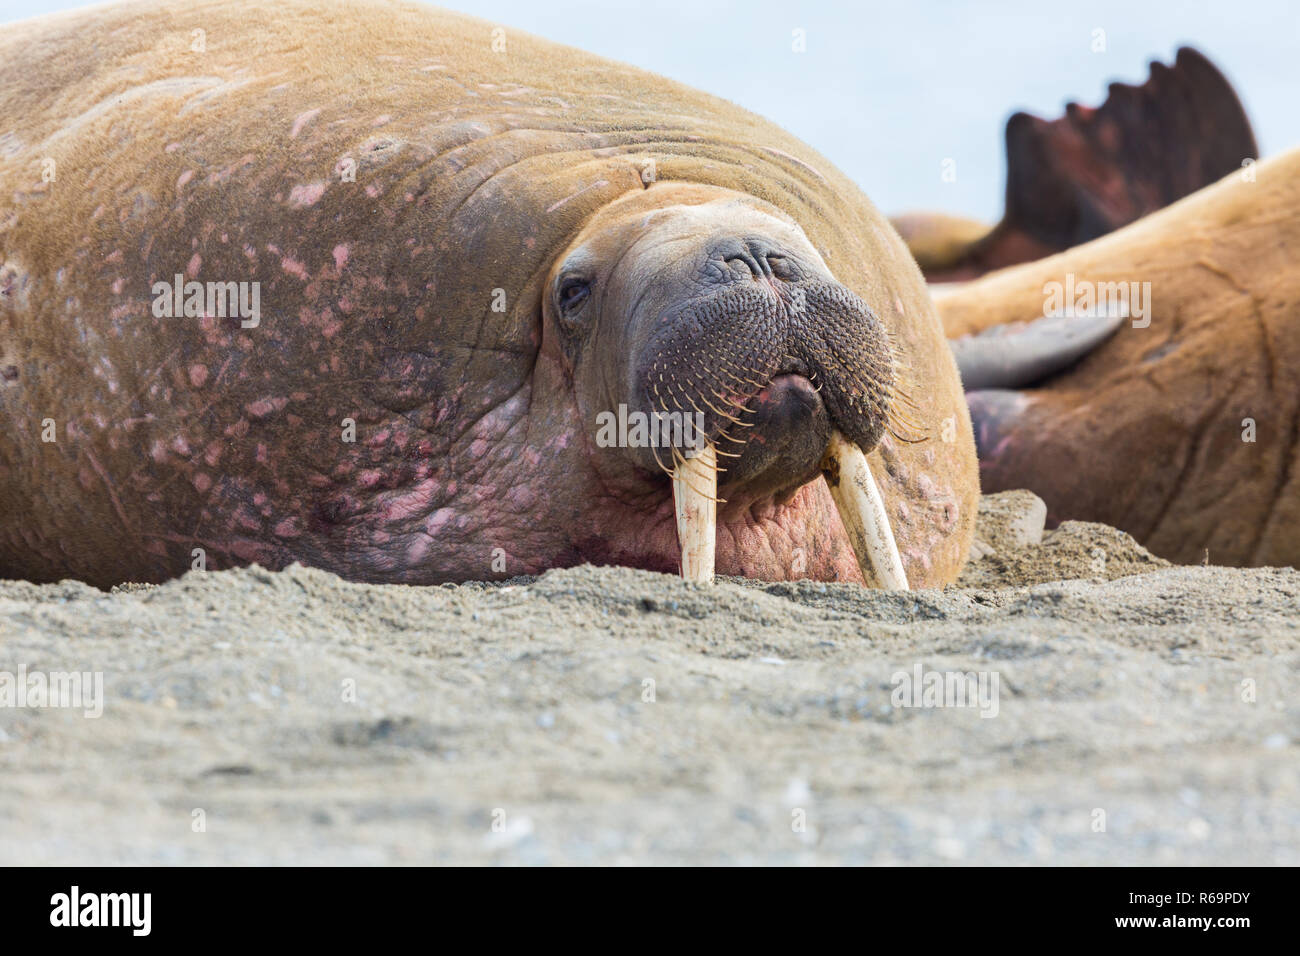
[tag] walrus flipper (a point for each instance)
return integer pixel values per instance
(1094, 170)
(1013, 356)
(1074, 179)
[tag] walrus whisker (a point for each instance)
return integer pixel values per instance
(717, 411)
(689, 399)
(710, 496)
(730, 401)
(654, 450)
(676, 403)
(733, 374)
(898, 394)
(906, 439)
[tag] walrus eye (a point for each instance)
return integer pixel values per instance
(573, 292)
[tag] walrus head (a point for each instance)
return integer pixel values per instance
(707, 321)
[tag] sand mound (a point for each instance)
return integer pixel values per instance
(1011, 548)
(607, 715)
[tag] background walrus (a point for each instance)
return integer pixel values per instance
(411, 196)
(1093, 170)
(1184, 428)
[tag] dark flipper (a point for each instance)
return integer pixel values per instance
(1019, 354)
(1093, 170)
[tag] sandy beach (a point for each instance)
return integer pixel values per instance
(1143, 714)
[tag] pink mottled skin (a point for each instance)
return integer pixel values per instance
(633, 522)
(451, 472)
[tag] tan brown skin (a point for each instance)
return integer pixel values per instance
(938, 241)
(1146, 434)
(474, 170)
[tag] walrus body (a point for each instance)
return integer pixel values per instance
(1184, 428)
(413, 401)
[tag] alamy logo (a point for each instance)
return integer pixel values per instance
(103, 909)
(1084, 299)
(220, 300)
(923, 688)
(650, 430)
(55, 689)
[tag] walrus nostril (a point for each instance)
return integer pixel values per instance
(759, 257)
(741, 264)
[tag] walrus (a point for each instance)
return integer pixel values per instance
(1183, 428)
(1093, 170)
(363, 285)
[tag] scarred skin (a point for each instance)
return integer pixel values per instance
(1185, 432)
(411, 302)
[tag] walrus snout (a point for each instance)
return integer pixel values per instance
(766, 370)
(783, 382)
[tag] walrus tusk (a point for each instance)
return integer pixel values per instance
(862, 511)
(1010, 356)
(695, 498)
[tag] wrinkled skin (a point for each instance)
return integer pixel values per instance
(411, 406)
(1185, 432)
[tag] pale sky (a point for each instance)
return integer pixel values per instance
(889, 90)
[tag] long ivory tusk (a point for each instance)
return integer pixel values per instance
(862, 511)
(695, 497)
